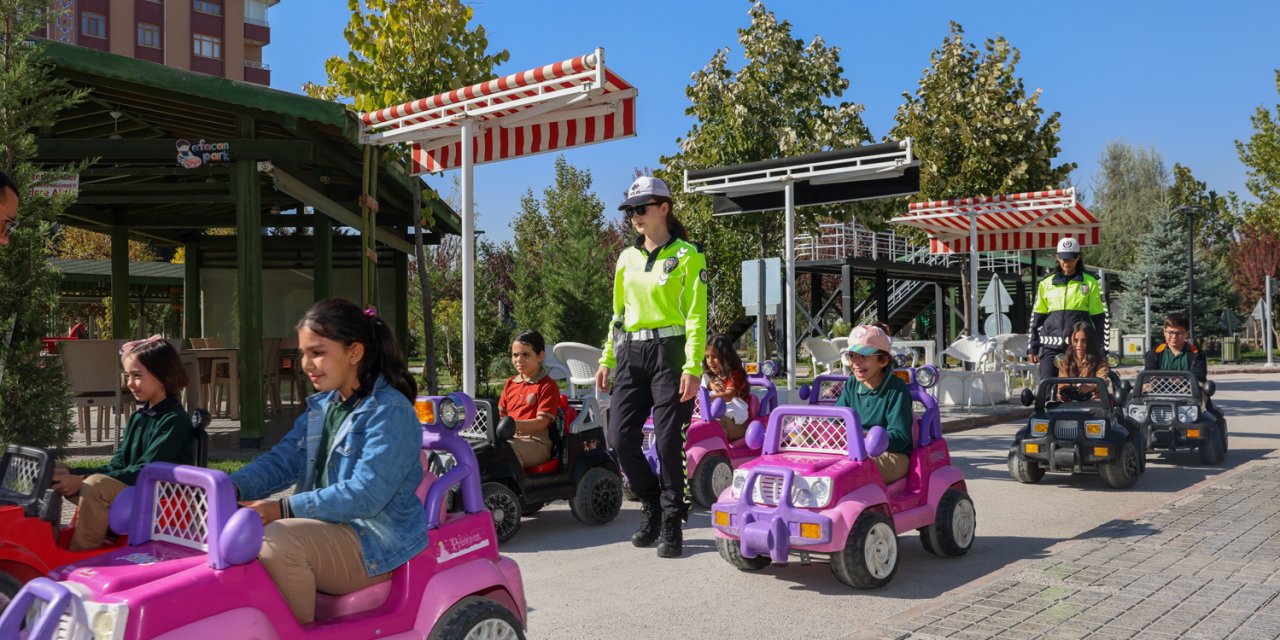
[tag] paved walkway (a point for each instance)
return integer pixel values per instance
(1206, 565)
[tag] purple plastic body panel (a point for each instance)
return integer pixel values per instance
(58, 601)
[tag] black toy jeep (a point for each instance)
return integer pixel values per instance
(1174, 414)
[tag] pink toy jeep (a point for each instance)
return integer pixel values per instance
(816, 492)
(191, 568)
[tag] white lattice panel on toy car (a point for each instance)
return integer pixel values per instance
(179, 513)
(1167, 386)
(813, 434)
(647, 443)
(697, 408)
(829, 391)
(21, 474)
(479, 429)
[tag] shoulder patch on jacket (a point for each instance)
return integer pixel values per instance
(1160, 347)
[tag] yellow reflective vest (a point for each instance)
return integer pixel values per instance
(1062, 301)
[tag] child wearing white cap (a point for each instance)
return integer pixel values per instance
(878, 398)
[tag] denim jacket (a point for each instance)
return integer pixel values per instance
(374, 467)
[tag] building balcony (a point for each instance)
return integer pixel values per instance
(259, 33)
(257, 73)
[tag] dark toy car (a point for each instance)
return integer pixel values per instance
(1081, 435)
(580, 470)
(32, 538)
(1173, 414)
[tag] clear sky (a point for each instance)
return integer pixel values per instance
(1183, 76)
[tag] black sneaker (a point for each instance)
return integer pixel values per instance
(670, 539)
(648, 531)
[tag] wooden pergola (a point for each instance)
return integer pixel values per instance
(268, 152)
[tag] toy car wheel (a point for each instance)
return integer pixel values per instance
(713, 475)
(731, 551)
(598, 497)
(505, 506)
(1024, 470)
(1122, 472)
(870, 555)
(9, 587)
(475, 618)
(1211, 449)
(952, 531)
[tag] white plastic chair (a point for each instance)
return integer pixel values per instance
(822, 352)
(1012, 357)
(977, 352)
(841, 344)
(555, 368)
(581, 361)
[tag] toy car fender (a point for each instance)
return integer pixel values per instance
(21, 563)
(846, 511)
(456, 583)
(941, 480)
(695, 453)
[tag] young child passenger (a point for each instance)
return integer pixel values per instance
(354, 459)
(879, 398)
(1085, 359)
(531, 398)
(158, 432)
(725, 378)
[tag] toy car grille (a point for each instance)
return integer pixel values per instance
(178, 515)
(647, 443)
(829, 391)
(1066, 429)
(21, 475)
(813, 434)
(1161, 414)
(479, 429)
(768, 490)
(1167, 386)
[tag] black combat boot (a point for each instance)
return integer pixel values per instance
(671, 537)
(648, 531)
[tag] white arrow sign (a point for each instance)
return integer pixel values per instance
(996, 298)
(1259, 312)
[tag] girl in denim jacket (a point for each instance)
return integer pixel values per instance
(353, 457)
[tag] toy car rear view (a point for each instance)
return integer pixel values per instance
(1173, 413)
(816, 492)
(1077, 435)
(191, 569)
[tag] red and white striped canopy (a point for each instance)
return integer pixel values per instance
(1014, 222)
(567, 104)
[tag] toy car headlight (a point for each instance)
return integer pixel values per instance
(926, 376)
(1189, 413)
(1040, 427)
(1095, 428)
(810, 493)
(1138, 412)
(739, 481)
(450, 413)
(769, 368)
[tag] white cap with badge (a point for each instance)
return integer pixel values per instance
(644, 189)
(1068, 248)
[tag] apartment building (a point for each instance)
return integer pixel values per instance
(218, 37)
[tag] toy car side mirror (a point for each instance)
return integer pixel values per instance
(1028, 398)
(1210, 388)
(120, 514)
(805, 392)
(718, 408)
(506, 428)
(755, 434)
(241, 538)
(877, 441)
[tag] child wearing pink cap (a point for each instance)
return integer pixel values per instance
(878, 398)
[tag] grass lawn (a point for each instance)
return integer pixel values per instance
(225, 466)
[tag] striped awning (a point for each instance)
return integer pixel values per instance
(567, 104)
(1013, 222)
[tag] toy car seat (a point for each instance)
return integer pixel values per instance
(564, 424)
(330, 606)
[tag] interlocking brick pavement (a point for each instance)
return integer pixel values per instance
(1206, 565)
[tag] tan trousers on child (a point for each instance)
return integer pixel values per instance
(304, 556)
(95, 497)
(892, 466)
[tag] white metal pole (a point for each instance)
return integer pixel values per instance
(973, 275)
(1267, 331)
(468, 264)
(1146, 335)
(790, 256)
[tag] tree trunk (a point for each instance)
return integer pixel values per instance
(429, 376)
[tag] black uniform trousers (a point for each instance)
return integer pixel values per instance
(648, 377)
(1048, 364)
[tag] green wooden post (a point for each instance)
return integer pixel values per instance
(248, 198)
(401, 302)
(192, 323)
(366, 292)
(120, 283)
(322, 272)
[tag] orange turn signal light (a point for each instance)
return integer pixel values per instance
(1033, 447)
(426, 410)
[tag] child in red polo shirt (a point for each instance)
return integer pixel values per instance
(532, 398)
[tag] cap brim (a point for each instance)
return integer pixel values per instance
(635, 200)
(862, 349)
(1066, 255)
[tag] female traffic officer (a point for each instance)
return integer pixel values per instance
(1063, 298)
(656, 342)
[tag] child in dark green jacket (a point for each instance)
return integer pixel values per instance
(878, 398)
(160, 431)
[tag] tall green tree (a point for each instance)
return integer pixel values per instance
(976, 130)
(780, 102)
(34, 404)
(402, 50)
(1217, 217)
(1130, 189)
(1161, 258)
(1261, 158)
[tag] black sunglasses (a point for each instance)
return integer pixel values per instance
(639, 209)
(10, 225)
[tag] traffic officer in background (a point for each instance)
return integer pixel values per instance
(656, 342)
(1063, 298)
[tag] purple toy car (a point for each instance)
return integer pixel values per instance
(191, 569)
(815, 492)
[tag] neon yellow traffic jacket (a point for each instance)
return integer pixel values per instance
(1062, 301)
(661, 289)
